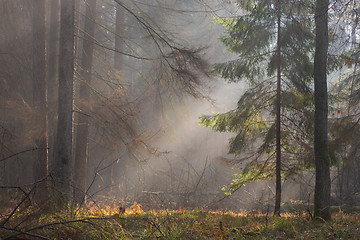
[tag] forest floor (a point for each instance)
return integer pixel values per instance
(105, 222)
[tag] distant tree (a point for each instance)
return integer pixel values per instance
(343, 129)
(19, 128)
(81, 146)
(118, 169)
(52, 51)
(63, 154)
(40, 169)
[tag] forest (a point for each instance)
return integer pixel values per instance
(179, 119)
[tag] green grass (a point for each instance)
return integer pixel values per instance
(105, 223)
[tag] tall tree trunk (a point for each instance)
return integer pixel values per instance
(117, 170)
(78, 23)
(62, 168)
(322, 182)
(83, 125)
(52, 52)
(40, 169)
(278, 120)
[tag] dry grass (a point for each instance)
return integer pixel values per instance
(112, 222)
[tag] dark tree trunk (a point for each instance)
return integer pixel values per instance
(78, 23)
(278, 120)
(322, 182)
(40, 169)
(52, 52)
(84, 96)
(63, 154)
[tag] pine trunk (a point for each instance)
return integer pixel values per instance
(117, 170)
(52, 52)
(278, 120)
(40, 169)
(322, 182)
(84, 92)
(63, 154)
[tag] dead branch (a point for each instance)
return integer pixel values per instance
(22, 232)
(21, 152)
(27, 232)
(27, 197)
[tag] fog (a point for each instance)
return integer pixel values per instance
(150, 78)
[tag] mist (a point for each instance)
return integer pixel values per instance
(143, 75)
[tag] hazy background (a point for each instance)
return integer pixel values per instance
(145, 143)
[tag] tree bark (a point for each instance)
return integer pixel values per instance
(278, 120)
(84, 92)
(40, 169)
(117, 170)
(63, 154)
(322, 182)
(52, 52)
(78, 23)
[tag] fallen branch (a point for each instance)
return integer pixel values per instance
(22, 232)
(83, 220)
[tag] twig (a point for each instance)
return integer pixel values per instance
(157, 227)
(22, 232)
(308, 208)
(202, 175)
(83, 220)
(17, 206)
(18, 153)
(23, 200)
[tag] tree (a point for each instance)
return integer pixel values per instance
(343, 111)
(278, 116)
(322, 163)
(40, 169)
(63, 154)
(118, 169)
(252, 36)
(18, 117)
(81, 147)
(52, 63)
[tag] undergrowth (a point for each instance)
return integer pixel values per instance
(112, 222)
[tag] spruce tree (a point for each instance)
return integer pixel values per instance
(273, 43)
